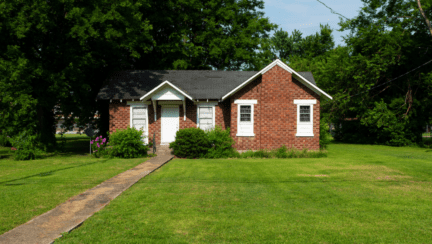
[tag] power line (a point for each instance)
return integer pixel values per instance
(390, 80)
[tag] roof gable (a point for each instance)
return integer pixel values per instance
(166, 91)
(279, 63)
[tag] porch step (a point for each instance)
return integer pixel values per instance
(163, 150)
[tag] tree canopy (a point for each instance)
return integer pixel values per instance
(370, 79)
(59, 53)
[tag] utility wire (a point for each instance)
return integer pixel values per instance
(377, 24)
(390, 80)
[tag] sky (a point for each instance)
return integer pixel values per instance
(306, 15)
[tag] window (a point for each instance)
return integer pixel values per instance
(206, 115)
(304, 113)
(245, 113)
(245, 118)
(305, 117)
(139, 119)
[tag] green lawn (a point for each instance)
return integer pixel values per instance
(30, 188)
(358, 194)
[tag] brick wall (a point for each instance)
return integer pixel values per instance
(119, 115)
(275, 114)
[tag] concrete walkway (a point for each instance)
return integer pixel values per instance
(65, 217)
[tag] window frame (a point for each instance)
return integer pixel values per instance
(251, 103)
(146, 133)
(206, 104)
(305, 102)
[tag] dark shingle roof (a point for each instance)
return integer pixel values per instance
(199, 84)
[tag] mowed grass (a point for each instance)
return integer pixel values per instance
(359, 194)
(30, 188)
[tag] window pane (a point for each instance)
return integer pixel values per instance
(245, 113)
(305, 117)
(206, 121)
(139, 112)
(245, 117)
(245, 109)
(304, 109)
(205, 112)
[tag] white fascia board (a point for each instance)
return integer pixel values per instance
(268, 67)
(159, 86)
(287, 68)
(283, 66)
(312, 85)
(240, 86)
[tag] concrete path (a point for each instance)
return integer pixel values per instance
(65, 217)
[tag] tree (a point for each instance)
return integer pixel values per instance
(220, 34)
(382, 77)
(295, 47)
(59, 53)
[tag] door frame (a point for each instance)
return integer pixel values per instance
(162, 126)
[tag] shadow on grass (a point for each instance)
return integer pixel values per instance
(47, 173)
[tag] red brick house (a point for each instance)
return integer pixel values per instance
(264, 109)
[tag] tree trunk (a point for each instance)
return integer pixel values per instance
(45, 128)
(103, 122)
(424, 16)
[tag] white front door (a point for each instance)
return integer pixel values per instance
(170, 123)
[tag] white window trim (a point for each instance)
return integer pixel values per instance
(207, 104)
(132, 105)
(305, 102)
(245, 102)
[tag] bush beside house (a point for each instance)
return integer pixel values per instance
(217, 143)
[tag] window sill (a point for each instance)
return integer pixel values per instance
(311, 135)
(245, 134)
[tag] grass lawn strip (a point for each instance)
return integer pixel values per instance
(30, 188)
(360, 193)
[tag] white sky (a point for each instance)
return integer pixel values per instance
(306, 15)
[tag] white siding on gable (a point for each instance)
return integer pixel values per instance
(167, 93)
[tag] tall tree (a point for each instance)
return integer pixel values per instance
(59, 53)
(382, 77)
(198, 34)
(289, 48)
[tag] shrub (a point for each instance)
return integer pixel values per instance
(190, 143)
(262, 154)
(221, 143)
(26, 146)
(282, 152)
(4, 141)
(127, 143)
(99, 146)
(247, 154)
(325, 136)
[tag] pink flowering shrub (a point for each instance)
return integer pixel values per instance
(99, 146)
